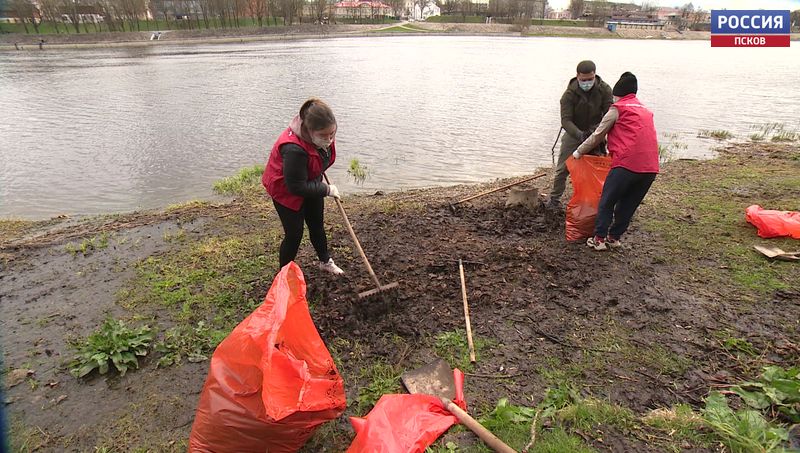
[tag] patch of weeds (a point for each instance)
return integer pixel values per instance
(192, 343)
(557, 372)
(588, 413)
(735, 346)
(510, 423)
(777, 389)
(700, 206)
(743, 430)
(238, 184)
(114, 342)
(87, 246)
(331, 436)
(383, 379)
(666, 151)
(786, 136)
(514, 424)
(449, 447)
(358, 172)
(25, 439)
(452, 346)
(14, 228)
(665, 361)
(186, 205)
(212, 280)
(718, 134)
(681, 423)
(178, 236)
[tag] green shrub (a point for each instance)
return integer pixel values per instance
(113, 342)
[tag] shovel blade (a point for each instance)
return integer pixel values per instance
(435, 378)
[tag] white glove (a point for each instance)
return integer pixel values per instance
(333, 192)
(576, 154)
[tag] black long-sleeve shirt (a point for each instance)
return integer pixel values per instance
(295, 171)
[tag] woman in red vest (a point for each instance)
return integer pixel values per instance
(633, 146)
(293, 178)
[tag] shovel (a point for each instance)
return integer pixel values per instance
(436, 379)
(775, 252)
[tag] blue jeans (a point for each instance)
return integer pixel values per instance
(623, 191)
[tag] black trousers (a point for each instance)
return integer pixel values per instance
(623, 191)
(313, 214)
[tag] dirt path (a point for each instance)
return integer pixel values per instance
(627, 327)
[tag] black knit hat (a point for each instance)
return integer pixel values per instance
(626, 85)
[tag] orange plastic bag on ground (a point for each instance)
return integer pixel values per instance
(772, 224)
(405, 423)
(272, 381)
(588, 175)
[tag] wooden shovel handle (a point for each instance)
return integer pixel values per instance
(486, 436)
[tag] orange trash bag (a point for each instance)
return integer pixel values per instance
(773, 224)
(272, 381)
(405, 423)
(588, 175)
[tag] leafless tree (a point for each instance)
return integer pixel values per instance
(51, 13)
(26, 12)
(576, 8)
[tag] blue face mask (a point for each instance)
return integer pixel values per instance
(587, 85)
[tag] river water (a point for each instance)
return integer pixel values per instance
(118, 129)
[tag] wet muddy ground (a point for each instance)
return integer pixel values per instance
(624, 326)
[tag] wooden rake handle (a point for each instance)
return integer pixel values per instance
(354, 237)
(500, 188)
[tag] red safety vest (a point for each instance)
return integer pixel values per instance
(273, 180)
(632, 141)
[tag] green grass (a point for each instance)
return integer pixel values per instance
(452, 346)
(706, 223)
(88, 246)
(786, 136)
(246, 180)
(15, 228)
(681, 423)
(216, 280)
(192, 343)
(719, 134)
(383, 379)
(401, 29)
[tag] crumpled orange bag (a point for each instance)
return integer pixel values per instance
(772, 224)
(272, 381)
(405, 423)
(588, 175)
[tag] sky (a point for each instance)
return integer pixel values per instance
(707, 4)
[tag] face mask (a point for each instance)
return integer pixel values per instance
(321, 142)
(587, 85)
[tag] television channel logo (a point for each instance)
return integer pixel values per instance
(750, 28)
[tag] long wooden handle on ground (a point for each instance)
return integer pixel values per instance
(499, 188)
(355, 238)
(466, 312)
(486, 436)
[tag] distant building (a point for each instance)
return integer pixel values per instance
(559, 14)
(362, 9)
